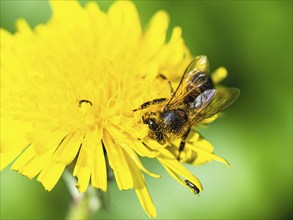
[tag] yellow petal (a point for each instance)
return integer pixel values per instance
(124, 14)
(91, 161)
(155, 36)
(179, 169)
(25, 157)
(141, 149)
(50, 175)
(45, 140)
(118, 163)
(140, 189)
(209, 120)
(9, 128)
(82, 170)
(172, 53)
(153, 144)
(205, 155)
(23, 27)
(65, 10)
(177, 177)
(83, 175)
(99, 169)
(7, 158)
(138, 163)
(34, 163)
(68, 148)
(124, 138)
(137, 131)
(36, 156)
(146, 201)
(174, 175)
(220, 74)
(100, 21)
(12, 145)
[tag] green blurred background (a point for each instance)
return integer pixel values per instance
(253, 40)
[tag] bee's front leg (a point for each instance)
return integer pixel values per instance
(145, 118)
(182, 143)
(149, 103)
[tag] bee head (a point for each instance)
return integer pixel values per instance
(155, 131)
(151, 122)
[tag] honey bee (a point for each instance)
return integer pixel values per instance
(194, 100)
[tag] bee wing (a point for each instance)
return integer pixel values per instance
(195, 75)
(211, 102)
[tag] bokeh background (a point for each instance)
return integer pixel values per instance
(253, 40)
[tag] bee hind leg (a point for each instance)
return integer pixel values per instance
(182, 143)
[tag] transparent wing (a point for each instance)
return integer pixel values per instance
(211, 102)
(195, 75)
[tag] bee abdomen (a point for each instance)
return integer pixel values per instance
(191, 97)
(207, 86)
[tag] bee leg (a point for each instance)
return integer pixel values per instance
(146, 116)
(165, 78)
(147, 104)
(182, 143)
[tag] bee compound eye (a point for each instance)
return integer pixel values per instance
(153, 124)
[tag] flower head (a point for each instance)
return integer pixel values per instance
(68, 89)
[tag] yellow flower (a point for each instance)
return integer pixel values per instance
(68, 89)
